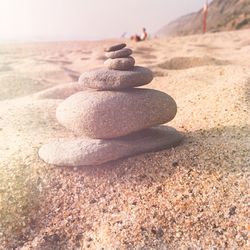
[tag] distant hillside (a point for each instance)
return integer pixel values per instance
(222, 15)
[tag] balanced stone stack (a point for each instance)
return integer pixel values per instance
(113, 119)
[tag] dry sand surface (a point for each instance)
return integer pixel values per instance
(194, 196)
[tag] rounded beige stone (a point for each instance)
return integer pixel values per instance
(110, 114)
(120, 63)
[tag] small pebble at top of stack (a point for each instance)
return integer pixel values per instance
(116, 47)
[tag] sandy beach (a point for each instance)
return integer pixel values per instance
(193, 196)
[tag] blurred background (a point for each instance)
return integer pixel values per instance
(46, 20)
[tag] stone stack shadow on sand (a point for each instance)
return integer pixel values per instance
(113, 119)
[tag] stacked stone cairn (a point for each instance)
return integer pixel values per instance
(113, 119)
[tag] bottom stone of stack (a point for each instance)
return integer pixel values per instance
(85, 152)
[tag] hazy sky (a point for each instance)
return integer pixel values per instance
(87, 19)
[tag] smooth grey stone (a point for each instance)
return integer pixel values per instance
(116, 47)
(85, 152)
(120, 63)
(125, 52)
(110, 114)
(106, 79)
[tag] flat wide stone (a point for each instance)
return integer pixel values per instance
(85, 152)
(120, 63)
(107, 79)
(110, 114)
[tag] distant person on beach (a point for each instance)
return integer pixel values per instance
(140, 38)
